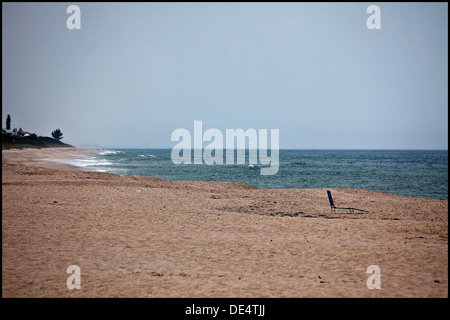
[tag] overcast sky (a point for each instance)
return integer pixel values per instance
(136, 72)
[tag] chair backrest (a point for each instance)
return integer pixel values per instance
(330, 198)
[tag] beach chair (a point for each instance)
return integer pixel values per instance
(333, 207)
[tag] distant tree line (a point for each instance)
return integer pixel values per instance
(57, 134)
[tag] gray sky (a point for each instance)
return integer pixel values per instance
(135, 72)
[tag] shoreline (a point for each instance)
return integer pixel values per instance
(45, 157)
(60, 158)
(135, 236)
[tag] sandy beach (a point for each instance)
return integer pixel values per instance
(149, 237)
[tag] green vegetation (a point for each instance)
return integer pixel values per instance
(32, 141)
(8, 122)
(57, 134)
(19, 139)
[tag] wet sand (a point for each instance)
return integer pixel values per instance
(149, 237)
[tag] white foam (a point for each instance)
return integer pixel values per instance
(109, 152)
(82, 163)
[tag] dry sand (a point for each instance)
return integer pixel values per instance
(149, 237)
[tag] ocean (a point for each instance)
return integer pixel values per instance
(404, 172)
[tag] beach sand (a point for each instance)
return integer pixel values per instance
(149, 237)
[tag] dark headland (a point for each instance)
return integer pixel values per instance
(20, 142)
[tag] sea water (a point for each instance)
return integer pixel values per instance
(406, 172)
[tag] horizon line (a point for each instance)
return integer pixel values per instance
(284, 149)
